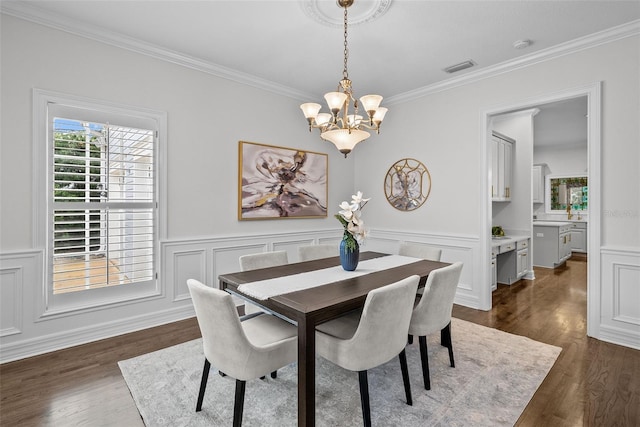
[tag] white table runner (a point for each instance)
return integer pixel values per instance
(264, 289)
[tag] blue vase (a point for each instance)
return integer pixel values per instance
(349, 258)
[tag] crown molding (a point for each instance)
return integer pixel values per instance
(34, 14)
(602, 37)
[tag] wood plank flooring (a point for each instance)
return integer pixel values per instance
(593, 383)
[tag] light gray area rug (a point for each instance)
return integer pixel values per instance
(496, 375)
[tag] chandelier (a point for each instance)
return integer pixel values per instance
(340, 127)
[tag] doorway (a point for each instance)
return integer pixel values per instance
(593, 96)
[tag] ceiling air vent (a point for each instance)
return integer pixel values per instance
(459, 67)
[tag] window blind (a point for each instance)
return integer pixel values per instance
(102, 205)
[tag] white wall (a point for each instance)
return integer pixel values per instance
(515, 216)
(444, 130)
(207, 116)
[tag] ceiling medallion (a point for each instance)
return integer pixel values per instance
(407, 184)
(363, 11)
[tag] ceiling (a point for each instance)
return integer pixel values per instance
(395, 46)
(562, 123)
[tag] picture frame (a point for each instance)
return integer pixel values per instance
(278, 182)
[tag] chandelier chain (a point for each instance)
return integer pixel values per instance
(345, 72)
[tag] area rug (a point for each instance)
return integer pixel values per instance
(496, 375)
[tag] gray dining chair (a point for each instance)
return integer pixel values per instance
(420, 250)
(243, 350)
(311, 252)
(261, 260)
(360, 341)
(433, 313)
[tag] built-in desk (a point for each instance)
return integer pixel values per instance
(509, 258)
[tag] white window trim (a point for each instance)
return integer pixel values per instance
(61, 305)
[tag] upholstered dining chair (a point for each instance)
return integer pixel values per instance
(311, 252)
(420, 250)
(362, 340)
(433, 313)
(261, 260)
(243, 350)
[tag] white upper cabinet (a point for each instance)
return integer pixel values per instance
(501, 167)
(537, 180)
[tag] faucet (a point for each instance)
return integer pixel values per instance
(569, 214)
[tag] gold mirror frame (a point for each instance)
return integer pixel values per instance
(407, 184)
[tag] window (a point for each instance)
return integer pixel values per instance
(96, 196)
(102, 205)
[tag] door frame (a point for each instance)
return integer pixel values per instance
(594, 112)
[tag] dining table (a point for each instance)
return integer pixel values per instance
(312, 292)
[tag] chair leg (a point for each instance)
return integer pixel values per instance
(445, 335)
(203, 384)
(410, 339)
(238, 404)
(405, 376)
(424, 358)
(274, 374)
(364, 398)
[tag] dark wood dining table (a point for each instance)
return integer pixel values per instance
(312, 306)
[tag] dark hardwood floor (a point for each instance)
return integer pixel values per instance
(593, 383)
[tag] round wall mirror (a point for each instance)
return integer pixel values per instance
(407, 184)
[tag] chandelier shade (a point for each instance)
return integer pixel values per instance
(344, 139)
(341, 127)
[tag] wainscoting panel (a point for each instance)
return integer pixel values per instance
(11, 284)
(21, 277)
(454, 248)
(187, 265)
(620, 303)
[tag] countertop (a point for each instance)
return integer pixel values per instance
(561, 220)
(551, 223)
(507, 239)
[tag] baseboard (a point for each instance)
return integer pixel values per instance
(619, 337)
(59, 340)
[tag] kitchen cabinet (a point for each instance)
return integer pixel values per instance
(537, 181)
(579, 237)
(551, 243)
(494, 268)
(501, 167)
(512, 259)
(522, 260)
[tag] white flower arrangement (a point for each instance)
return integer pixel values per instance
(351, 219)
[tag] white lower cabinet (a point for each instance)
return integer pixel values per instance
(551, 243)
(522, 262)
(579, 237)
(494, 269)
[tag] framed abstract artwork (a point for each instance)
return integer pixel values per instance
(407, 184)
(279, 182)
